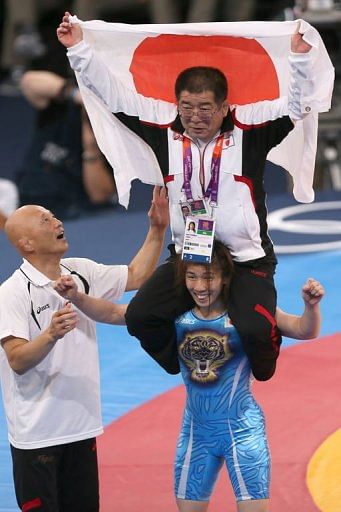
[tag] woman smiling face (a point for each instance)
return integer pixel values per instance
(205, 283)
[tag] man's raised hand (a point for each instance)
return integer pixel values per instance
(69, 34)
(159, 211)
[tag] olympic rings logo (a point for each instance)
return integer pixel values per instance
(280, 220)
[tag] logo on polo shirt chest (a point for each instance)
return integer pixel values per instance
(42, 308)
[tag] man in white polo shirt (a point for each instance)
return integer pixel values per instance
(49, 358)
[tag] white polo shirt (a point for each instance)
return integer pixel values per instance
(58, 401)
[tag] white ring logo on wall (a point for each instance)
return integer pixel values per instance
(279, 220)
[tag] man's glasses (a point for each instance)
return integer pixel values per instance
(204, 113)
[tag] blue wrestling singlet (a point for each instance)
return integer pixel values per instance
(222, 420)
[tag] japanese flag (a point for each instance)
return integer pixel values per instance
(254, 58)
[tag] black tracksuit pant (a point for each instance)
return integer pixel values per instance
(151, 313)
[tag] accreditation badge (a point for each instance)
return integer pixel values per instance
(193, 207)
(198, 239)
(198, 207)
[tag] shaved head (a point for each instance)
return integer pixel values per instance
(39, 237)
(36, 233)
(21, 223)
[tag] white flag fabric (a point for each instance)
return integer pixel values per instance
(253, 56)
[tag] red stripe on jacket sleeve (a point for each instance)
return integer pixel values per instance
(243, 126)
(249, 183)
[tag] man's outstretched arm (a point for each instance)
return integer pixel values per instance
(147, 258)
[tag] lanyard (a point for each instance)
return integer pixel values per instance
(212, 189)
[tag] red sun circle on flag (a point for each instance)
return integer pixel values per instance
(251, 74)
